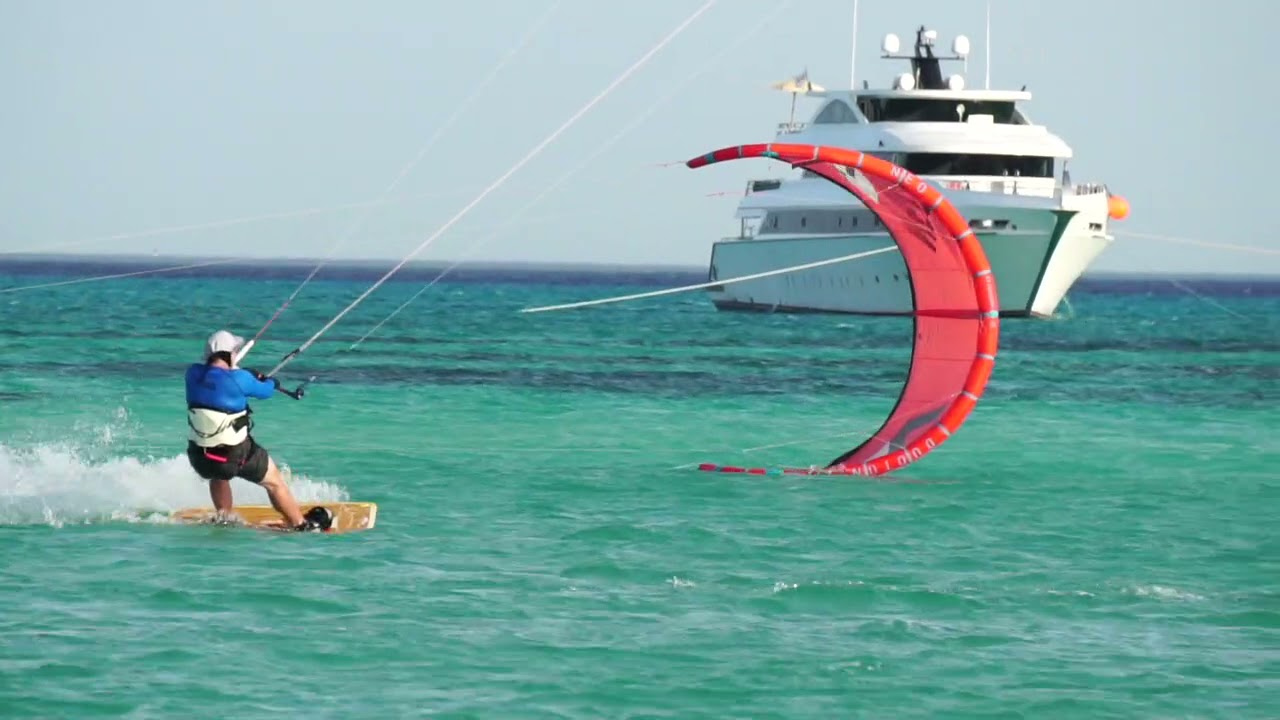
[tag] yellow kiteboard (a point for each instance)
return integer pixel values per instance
(347, 516)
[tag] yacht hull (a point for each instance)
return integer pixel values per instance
(1035, 260)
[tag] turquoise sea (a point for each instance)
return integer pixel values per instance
(1098, 541)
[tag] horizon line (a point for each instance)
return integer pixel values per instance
(72, 258)
(233, 260)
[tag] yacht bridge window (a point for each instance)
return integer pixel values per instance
(881, 109)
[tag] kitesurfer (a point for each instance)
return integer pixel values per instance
(219, 444)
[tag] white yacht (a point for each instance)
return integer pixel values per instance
(1005, 174)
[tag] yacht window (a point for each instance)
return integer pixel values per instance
(836, 112)
(989, 165)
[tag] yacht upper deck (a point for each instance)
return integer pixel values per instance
(934, 126)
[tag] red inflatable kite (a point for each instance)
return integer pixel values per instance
(956, 310)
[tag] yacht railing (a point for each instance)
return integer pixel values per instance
(1001, 187)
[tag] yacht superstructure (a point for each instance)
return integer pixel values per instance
(1005, 174)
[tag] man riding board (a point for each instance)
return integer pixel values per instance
(219, 444)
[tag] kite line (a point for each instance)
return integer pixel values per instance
(637, 122)
(404, 172)
(714, 283)
(498, 182)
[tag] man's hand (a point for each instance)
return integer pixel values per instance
(263, 378)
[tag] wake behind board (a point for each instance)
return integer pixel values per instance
(347, 516)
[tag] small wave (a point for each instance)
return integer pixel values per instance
(1070, 593)
(821, 587)
(1163, 592)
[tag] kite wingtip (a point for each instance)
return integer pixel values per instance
(704, 159)
(714, 467)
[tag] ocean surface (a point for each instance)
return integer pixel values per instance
(1099, 540)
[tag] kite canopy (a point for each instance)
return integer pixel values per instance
(956, 310)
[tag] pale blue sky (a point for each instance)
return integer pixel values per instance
(128, 116)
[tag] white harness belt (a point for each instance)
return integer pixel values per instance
(210, 428)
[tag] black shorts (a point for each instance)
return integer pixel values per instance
(248, 460)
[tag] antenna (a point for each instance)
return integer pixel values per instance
(987, 43)
(853, 49)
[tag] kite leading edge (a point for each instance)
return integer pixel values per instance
(956, 310)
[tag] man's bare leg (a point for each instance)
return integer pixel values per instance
(281, 497)
(220, 493)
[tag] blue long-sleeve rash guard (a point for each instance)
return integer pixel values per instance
(224, 390)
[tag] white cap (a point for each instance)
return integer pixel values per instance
(222, 341)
